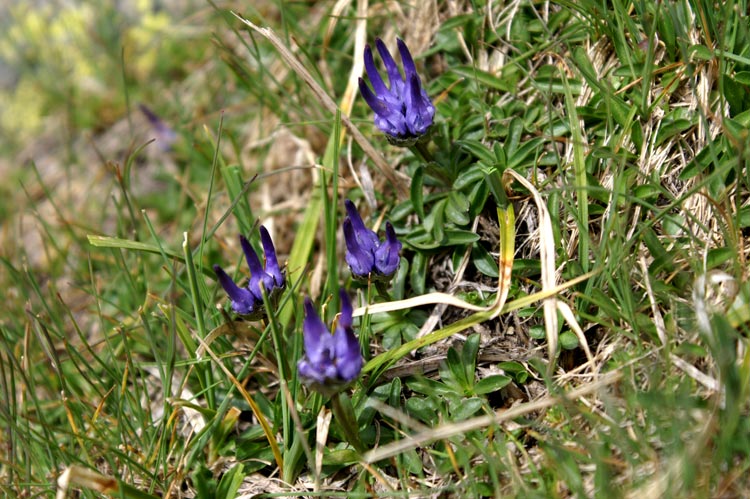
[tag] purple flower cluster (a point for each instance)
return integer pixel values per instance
(366, 255)
(331, 361)
(249, 300)
(404, 111)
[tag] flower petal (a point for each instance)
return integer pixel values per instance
(394, 75)
(372, 72)
(415, 111)
(347, 349)
(257, 273)
(272, 264)
(360, 261)
(314, 331)
(348, 357)
(406, 58)
(345, 319)
(379, 107)
(365, 237)
(243, 302)
(386, 256)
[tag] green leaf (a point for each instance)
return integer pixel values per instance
(478, 198)
(427, 386)
(568, 340)
(515, 129)
(411, 461)
(616, 104)
(438, 220)
(742, 77)
(417, 200)
(391, 337)
(537, 332)
(515, 369)
(469, 357)
(524, 153)
(423, 240)
(230, 482)
(669, 130)
(469, 176)
(423, 409)
(458, 237)
(484, 78)
(401, 211)
(647, 192)
(479, 150)
(701, 52)
(116, 242)
(418, 274)
(465, 408)
(484, 262)
(457, 372)
(491, 384)
(718, 256)
(340, 457)
(457, 208)
(744, 217)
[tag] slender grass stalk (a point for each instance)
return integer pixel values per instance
(205, 371)
(579, 168)
(330, 213)
(342, 411)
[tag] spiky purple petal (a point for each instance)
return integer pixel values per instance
(359, 259)
(248, 300)
(272, 264)
(331, 361)
(365, 253)
(386, 256)
(243, 301)
(372, 72)
(403, 110)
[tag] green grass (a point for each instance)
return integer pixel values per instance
(121, 356)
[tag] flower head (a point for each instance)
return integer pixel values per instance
(165, 135)
(404, 111)
(249, 300)
(365, 253)
(331, 361)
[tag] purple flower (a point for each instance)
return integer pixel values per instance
(365, 253)
(404, 111)
(165, 135)
(331, 361)
(249, 300)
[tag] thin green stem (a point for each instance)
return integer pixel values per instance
(347, 420)
(420, 149)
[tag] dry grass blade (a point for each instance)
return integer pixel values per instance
(330, 105)
(450, 430)
(84, 477)
(268, 432)
(321, 437)
(506, 221)
(418, 301)
(570, 319)
(360, 39)
(547, 258)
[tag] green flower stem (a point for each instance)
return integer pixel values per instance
(382, 288)
(432, 167)
(197, 299)
(344, 414)
(420, 149)
(495, 181)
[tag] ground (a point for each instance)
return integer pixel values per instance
(570, 315)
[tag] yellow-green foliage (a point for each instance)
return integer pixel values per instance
(64, 61)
